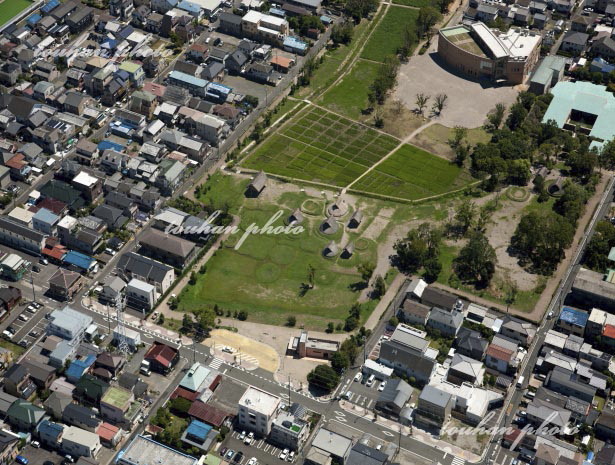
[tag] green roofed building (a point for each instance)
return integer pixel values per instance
(548, 74)
(584, 107)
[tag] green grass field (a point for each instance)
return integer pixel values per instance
(10, 8)
(349, 96)
(414, 3)
(264, 276)
(412, 173)
(387, 37)
(322, 147)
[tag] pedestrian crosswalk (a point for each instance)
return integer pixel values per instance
(458, 461)
(216, 363)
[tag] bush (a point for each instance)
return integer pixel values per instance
(291, 321)
(242, 315)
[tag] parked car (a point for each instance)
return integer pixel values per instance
(23, 318)
(358, 376)
(21, 460)
(238, 457)
(252, 461)
(242, 435)
(230, 454)
(291, 456)
(35, 444)
(223, 451)
(382, 386)
(34, 334)
(283, 454)
(249, 438)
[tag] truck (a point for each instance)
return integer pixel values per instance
(144, 369)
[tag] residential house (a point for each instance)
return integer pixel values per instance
(212, 129)
(172, 250)
(56, 403)
(90, 390)
(262, 27)
(394, 397)
(605, 426)
(414, 313)
(113, 363)
(500, 358)
(64, 284)
(445, 321)
(408, 352)
(116, 406)
(9, 73)
(363, 454)
(328, 447)
(230, 24)
(50, 434)
(464, 369)
(236, 62)
(81, 416)
(80, 443)
(87, 152)
(566, 382)
(75, 103)
(45, 221)
(574, 42)
(140, 295)
(260, 72)
(572, 321)
(110, 435)
(145, 269)
(24, 416)
(42, 375)
(581, 23)
(471, 344)
(518, 330)
(143, 102)
(162, 357)
(17, 382)
(80, 19)
(434, 407)
(198, 52)
(604, 47)
(199, 434)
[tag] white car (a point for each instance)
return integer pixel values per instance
(283, 454)
(249, 438)
(291, 456)
(242, 436)
(227, 349)
(358, 376)
(35, 444)
(23, 318)
(382, 386)
(252, 461)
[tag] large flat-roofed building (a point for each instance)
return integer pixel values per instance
(257, 410)
(142, 450)
(481, 52)
(584, 107)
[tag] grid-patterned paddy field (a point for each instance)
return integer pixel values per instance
(326, 148)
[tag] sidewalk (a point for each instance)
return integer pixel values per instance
(415, 433)
(388, 297)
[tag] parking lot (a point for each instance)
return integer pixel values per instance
(37, 456)
(361, 394)
(264, 452)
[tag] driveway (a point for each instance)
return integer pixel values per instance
(468, 101)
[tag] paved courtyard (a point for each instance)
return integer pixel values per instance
(468, 101)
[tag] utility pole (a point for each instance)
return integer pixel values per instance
(32, 283)
(108, 318)
(289, 403)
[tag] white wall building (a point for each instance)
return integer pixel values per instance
(257, 410)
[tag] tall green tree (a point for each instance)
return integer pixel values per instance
(427, 18)
(476, 261)
(324, 377)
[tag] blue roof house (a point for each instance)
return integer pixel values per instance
(50, 433)
(294, 45)
(572, 321)
(45, 221)
(79, 260)
(110, 145)
(199, 434)
(78, 368)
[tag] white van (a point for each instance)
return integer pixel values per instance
(370, 380)
(520, 381)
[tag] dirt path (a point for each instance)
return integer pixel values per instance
(163, 307)
(386, 299)
(553, 283)
(397, 147)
